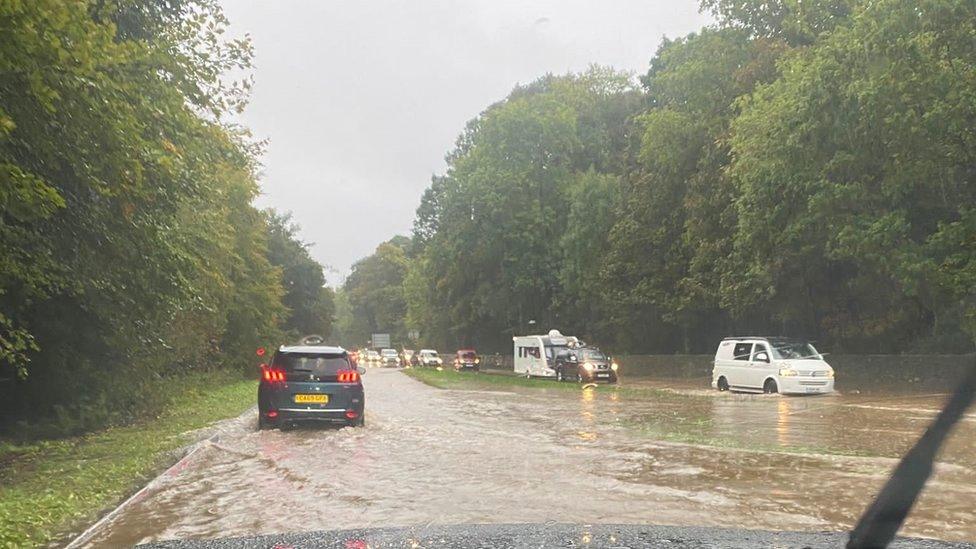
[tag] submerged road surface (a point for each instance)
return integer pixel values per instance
(433, 457)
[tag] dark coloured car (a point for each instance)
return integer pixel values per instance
(310, 384)
(586, 365)
(467, 359)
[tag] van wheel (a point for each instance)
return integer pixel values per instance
(770, 387)
(723, 384)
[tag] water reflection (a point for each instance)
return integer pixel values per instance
(783, 421)
(587, 416)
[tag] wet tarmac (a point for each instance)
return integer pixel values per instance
(684, 456)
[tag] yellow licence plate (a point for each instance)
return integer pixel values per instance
(311, 399)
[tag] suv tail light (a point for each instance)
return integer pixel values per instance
(347, 376)
(272, 375)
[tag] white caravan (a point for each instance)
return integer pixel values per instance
(535, 354)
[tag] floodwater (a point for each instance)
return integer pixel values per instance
(685, 456)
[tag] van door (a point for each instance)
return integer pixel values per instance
(739, 367)
(759, 369)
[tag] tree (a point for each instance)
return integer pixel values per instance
(130, 246)
(310, 303)
(490, 229)
(671, 242)
(857, 158)
(374, 291)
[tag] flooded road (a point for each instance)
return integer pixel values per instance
(684, 456)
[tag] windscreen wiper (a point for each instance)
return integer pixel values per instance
(879, 524)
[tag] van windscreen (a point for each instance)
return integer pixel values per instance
(795, 350)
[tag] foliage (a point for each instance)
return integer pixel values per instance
(130, 250)
(373, 293)
(491, 233)
(802, 168)
(310, 303)
(863, 170)
(98, 470)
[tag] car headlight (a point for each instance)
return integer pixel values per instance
(587, 366)
(614, 366)
(477, 360)
(787, 372)
(830, 373)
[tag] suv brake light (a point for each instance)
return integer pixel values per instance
(347, 376)
(272, 375)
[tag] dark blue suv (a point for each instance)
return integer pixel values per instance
(310, 384)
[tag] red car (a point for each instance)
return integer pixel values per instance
(467, 359)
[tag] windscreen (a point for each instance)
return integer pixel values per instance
(594, 355)
(794, 350)
(468, 355)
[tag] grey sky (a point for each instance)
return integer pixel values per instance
(361, 99)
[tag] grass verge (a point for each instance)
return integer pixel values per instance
(449, 379)
(49, 486)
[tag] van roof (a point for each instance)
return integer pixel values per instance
(783, 339)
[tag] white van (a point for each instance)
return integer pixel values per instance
(770, 365)
(534, 354)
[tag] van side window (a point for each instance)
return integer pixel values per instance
(741, 351)
(760, 348)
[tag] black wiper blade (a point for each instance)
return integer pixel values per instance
(879, 524)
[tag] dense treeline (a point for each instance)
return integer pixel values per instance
(799, 168)
(130, 251)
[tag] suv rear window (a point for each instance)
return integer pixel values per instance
(311, 363)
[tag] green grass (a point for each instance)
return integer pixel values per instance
(449, 379)
(50, 486)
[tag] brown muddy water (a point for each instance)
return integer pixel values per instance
(682, 456)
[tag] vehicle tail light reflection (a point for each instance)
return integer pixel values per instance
(271, 414)
(352, 414)
(348, 376)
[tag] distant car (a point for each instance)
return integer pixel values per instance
(429, 358)
(770, 365)
(372, 358)
(389, 358)
(467, 359)
(585, 365)
(310, 384)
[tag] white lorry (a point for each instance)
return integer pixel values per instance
(535, 354)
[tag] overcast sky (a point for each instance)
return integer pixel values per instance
(361, 99)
